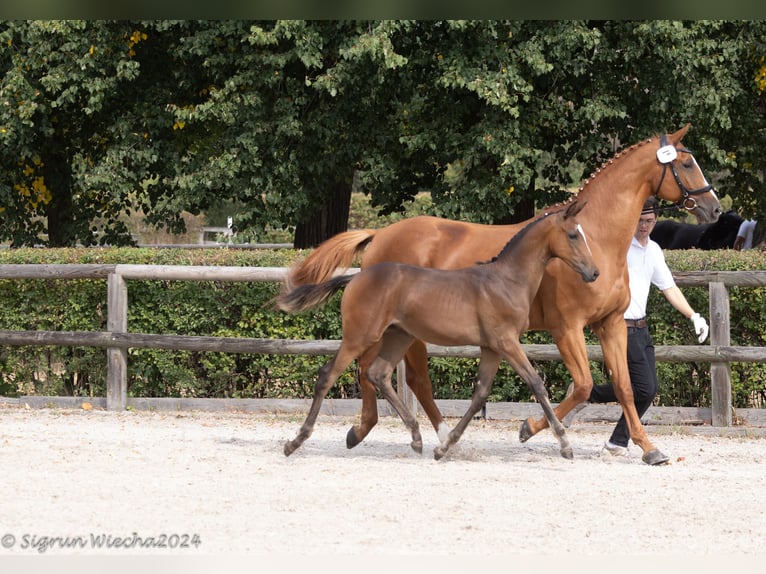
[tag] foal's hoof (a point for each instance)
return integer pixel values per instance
(439, 452)
(655, 457)
(289, 448)
(525, 432)
(417, 446)
(351, 438)
(567, 453)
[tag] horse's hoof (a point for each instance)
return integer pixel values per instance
(525, 433)
(439, 452)
(567, 453)
(289, 448)
(351, 438)
(417, 446)
(655, 457)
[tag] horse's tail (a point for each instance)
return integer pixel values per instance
(303, 297)
(338, 252)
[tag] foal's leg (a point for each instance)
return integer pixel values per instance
(488, 365)
(515, 355)
(574, 354)
(328, 374)
(369, 415)
(394, 344)
(416, 365)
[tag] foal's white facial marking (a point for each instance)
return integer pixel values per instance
(582, 232)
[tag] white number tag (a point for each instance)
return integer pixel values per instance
(667, 153)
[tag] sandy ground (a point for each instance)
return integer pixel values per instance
(80, 482)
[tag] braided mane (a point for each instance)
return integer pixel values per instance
(611, 160)
(556, 207)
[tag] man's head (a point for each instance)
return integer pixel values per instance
(647, 220)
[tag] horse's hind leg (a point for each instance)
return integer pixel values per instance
(328, 374)
(416, 369)
(394, 343)
(488, 365)
(416, 365)
(369, 415)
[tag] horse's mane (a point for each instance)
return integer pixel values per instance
(609, 162)
(520, 235)
(555, 208)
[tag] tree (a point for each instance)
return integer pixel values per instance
(471, 111)
(494, 118)
(664, 74)
(296, 108)
(74, 144)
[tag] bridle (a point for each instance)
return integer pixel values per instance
(666, 155)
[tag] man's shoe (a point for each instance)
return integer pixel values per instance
(569, 419)
(615, 449)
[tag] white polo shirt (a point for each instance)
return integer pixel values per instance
(746, 230)
(646, 267)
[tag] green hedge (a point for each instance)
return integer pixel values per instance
(229, 309)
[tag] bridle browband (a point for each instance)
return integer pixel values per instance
(666, 155)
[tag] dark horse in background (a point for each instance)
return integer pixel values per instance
(671, 234)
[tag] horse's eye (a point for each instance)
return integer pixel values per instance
(574, 236)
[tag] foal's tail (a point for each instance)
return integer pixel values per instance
(303, 297)
(338, 252)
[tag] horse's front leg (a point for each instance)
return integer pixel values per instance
(574, 354)
(488, 365)
(518, 360)
(613, 337)
(416, 371)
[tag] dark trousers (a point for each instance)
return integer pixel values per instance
(643, 379)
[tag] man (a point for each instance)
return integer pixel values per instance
(646, 267)
(744, 238)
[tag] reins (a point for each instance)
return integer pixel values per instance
(666, 155)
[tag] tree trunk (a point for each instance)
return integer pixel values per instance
(60, 213)
(329, 220)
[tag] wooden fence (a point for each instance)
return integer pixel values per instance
(117, 340)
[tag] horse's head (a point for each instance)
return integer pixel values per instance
(570, 243)
(687, 187)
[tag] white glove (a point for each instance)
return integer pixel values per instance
(700, 326)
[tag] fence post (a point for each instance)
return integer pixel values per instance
(117, 358)
(720, 373)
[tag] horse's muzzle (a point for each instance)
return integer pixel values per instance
(590, 276)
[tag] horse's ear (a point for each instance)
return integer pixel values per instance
(676, 138)
(574, 208)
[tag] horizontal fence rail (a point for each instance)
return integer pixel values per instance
(117, 340)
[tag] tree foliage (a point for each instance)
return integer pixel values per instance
(282, 118)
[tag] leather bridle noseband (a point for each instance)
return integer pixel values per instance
(666, 155)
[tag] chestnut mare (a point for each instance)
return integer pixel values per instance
(563, 306)
(487, 305)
